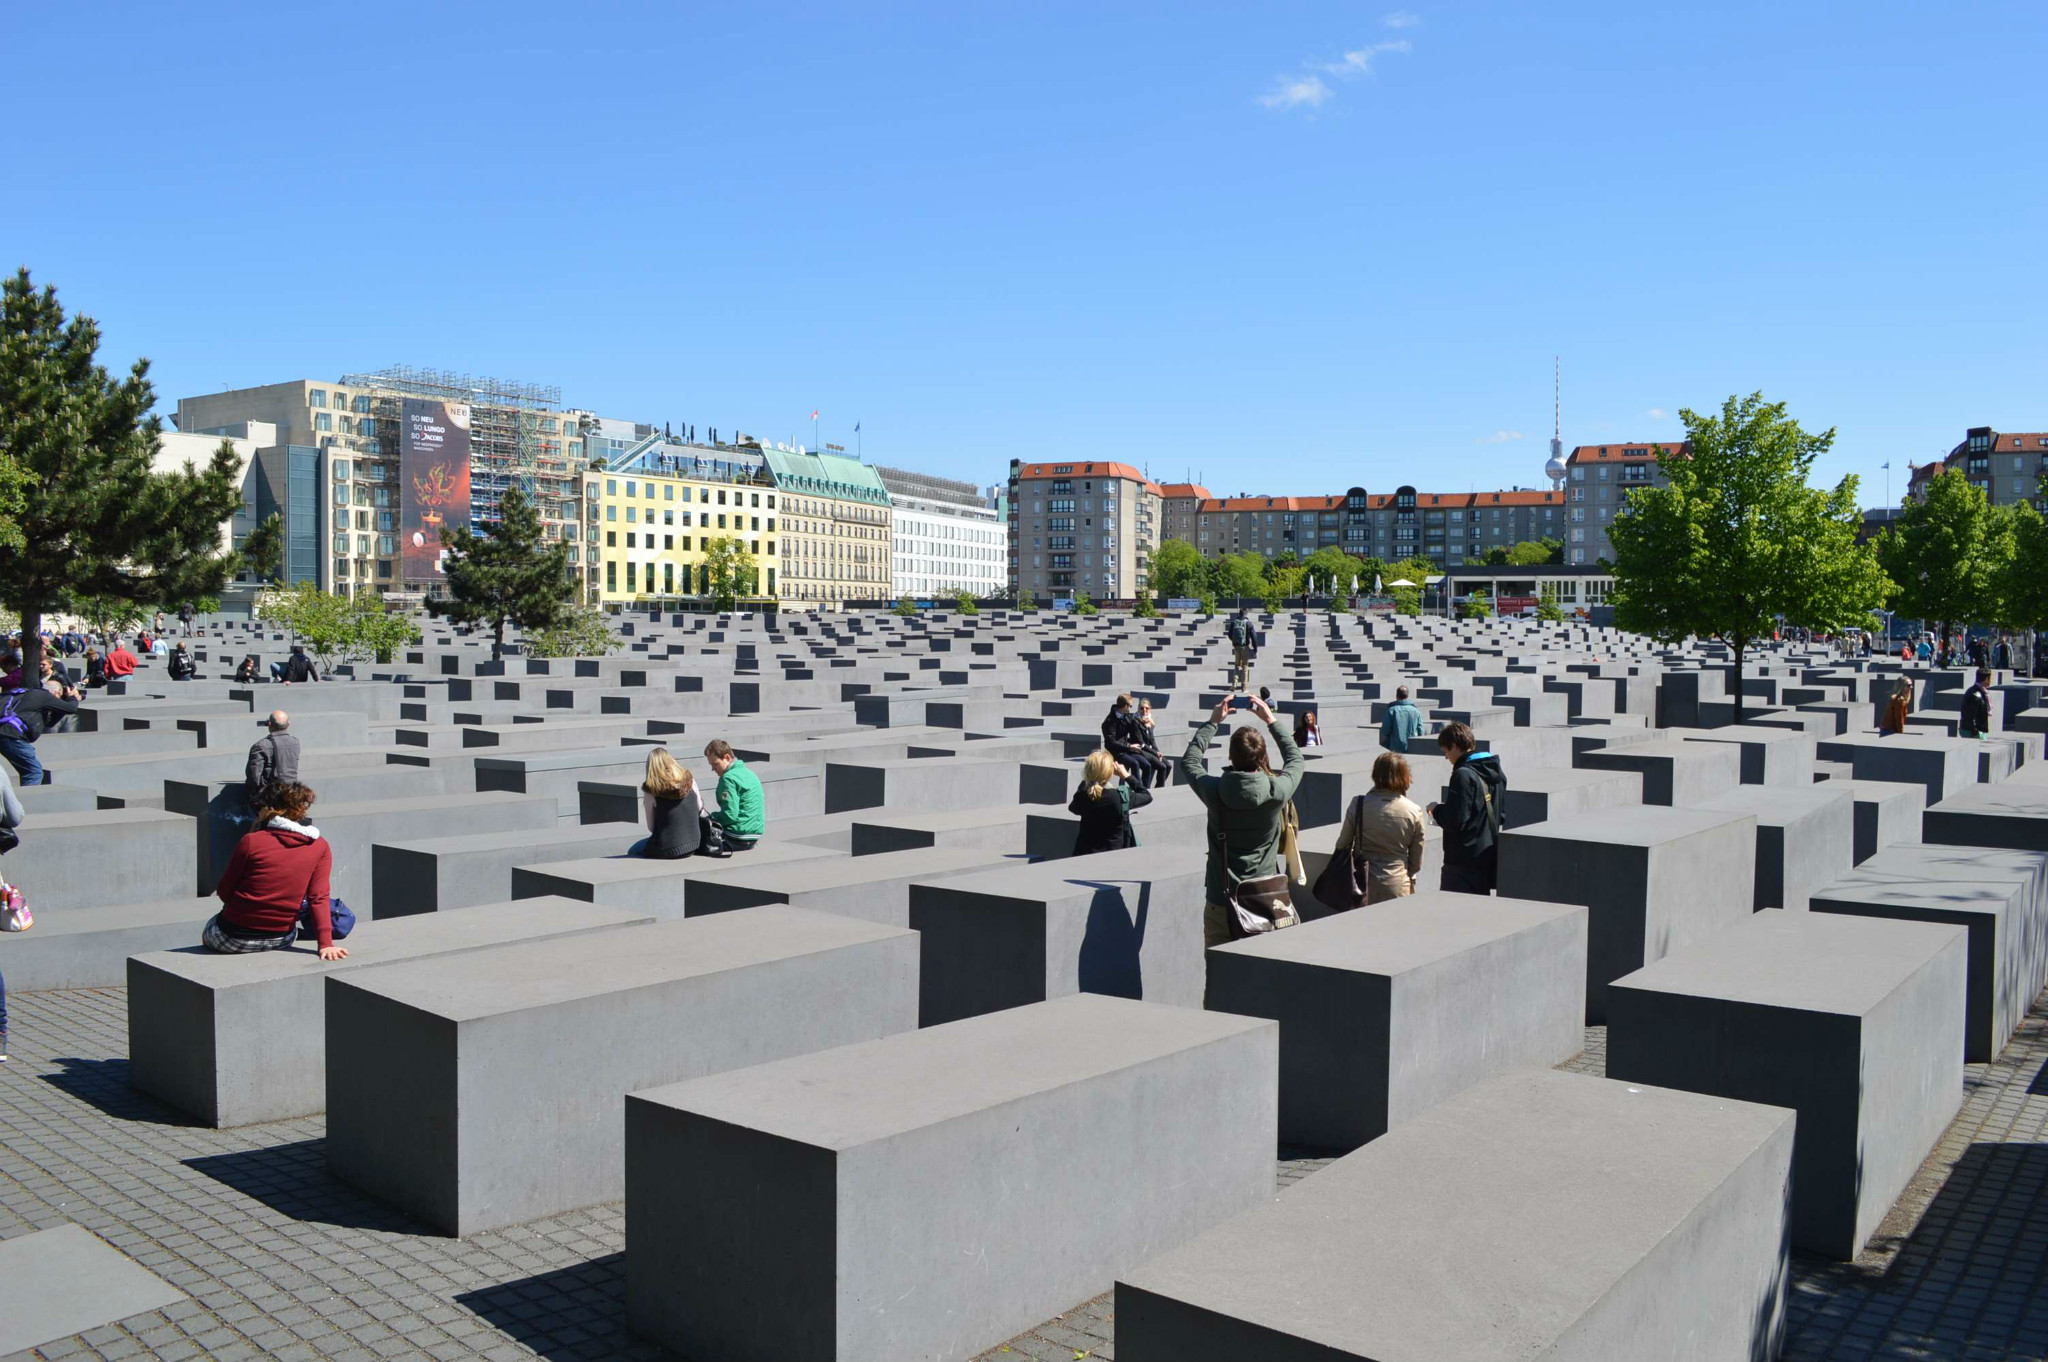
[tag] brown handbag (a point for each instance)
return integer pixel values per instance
(1340, 887)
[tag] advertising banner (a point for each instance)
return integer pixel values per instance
(1513, 605)
(433, 471)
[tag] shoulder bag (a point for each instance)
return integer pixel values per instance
(1257, 905)
(1340, 887)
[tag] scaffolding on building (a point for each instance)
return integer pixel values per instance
(509, 443)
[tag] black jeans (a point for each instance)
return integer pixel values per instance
(1471, 877)
(1146, 769)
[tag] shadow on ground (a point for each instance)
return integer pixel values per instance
(103, 1083)
(292, 1179)
(566, 1315)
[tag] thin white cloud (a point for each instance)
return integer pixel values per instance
(1297, 92)
(1312, 91)
(1656, 413)
(1500, 437)
(1402, 18)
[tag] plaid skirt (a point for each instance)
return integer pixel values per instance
(215, 939)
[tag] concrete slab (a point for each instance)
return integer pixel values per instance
(873, 888)
(654, 887)
(1536, 1215)
(896, 1199)
(484, 1091)
(1805, 838)
(1854, 1022)
(88, 947)
(67, 1280)
(2004, 815)
(1674, 770)
(1388, 1009)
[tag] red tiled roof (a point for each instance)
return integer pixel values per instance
(1271, 504)
(1385, 500)
(1180, 491)
(1098, 469)
(1625, 450)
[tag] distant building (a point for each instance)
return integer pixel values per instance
(1597, 483)
(945, 538)
(1082, 526)
(1449, 528)
(1178, 504)
(835, 528)
(650, 522)
(2005, 465)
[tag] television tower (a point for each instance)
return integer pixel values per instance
(1555, 468)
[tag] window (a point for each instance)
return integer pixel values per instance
(341, 470)
(387, 544)
(316, 397)
(361, 402)
(341, 494)
(611, 539)
(632, 515)
(668, 491)
(323, 421)
(611, 513)
(611, 487)
(341, 544)
(630, 537)
(611, 576)
(668, 541)
(629, 490)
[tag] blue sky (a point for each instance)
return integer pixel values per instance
(1290, 247)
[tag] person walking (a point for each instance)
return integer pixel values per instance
(1104, 803)
(1976, 721)
(25, 715)
(670, 808)
(1123, 737)
(276, 882)
(1470, 813)
(185, 613)
(2001, 656)
(1248, 807)
(741, 818)
(11, 817)
(273, 758)
(1383, 831)
(1402, 723)
(1239, 632)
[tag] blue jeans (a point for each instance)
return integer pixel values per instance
(21, 754)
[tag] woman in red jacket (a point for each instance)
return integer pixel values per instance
(277, 874)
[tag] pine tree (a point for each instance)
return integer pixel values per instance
(77, 446)
(263, 549)
(509, 574)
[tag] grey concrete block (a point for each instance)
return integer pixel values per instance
(1386, 1010)
(1805, 838)
(83, 859)
(1854, 1022)
(2000, 896)
(654, 887)
(1125, 923)
(2004, 815)
(88, 947)
(1655, 879)
(434, 874)
(1942, 766)
(873, 888)
(1000, 829)
(1887, 812)
(1539, 793)
(1536, 1215)
(485, 1091)
(897, 1199)
(237, 1039)
(1770, 756)
(1674, 771)
(67, 1280)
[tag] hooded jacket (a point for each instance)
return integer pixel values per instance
(275, 870)
(1106, 822)
(1248, 806)
(1468, 814)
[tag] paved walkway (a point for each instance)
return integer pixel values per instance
(282, 1261)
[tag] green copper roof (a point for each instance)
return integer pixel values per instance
(826, 475)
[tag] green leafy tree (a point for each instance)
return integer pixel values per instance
(1279, 586)
(1145, 609)
(1239, 575)
(1027, 602)
(1282, 561)
(1476, 607)
(1528, 553)
(321, 621)
(906, 608)
(1407, 600)
(82, 510)
(263, 549)
(2023, 600)
(1178, 568)
(104, 615)
(964, 602)
(585, 631)
(1548, 608)
(1083, 605)
(1738, 538)
(1948, 553)
(509, 574)
(730, 572)
(1333, 570)
(374, 634)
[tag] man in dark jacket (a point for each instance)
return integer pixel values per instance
(1239, 632)
(273, 758)
(1977, 707)
(1123, 737)
(1470, 813)
(26, 715)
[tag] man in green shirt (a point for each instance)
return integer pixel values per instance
(742, 815)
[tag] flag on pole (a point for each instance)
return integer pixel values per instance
(856, 427)
(1886, 465)
(814, 413)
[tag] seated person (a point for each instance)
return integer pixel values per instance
(671, 809)
(741, 818)
(276, 882)
(246, 672)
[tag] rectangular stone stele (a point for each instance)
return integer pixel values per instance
(63, 1281)
(484, 1091)
(1388, 1009)
(932, 1194)
(1536, 1215)
(1854, 1022)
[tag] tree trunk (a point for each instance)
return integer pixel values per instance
(1741, 643)
(498, 640)
(31, 643)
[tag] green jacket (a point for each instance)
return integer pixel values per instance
(1249, 807)
(741, 810)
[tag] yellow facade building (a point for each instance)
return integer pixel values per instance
(646, 534)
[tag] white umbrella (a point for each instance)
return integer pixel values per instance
(1400, 581)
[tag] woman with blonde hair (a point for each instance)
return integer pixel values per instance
(671, 809)
(1104, 803)
(1383, 832)
(1897, 710)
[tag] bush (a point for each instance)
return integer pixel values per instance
(1208, 604)
(1084, 606)
(1145, 610)
(964, 602)
(1407, 600)
(1026, 601)
(1476, 607)
(1547, 608)
(906, 608)
(584, 633)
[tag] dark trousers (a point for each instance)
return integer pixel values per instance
(1472, 877)
(1146, 769)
